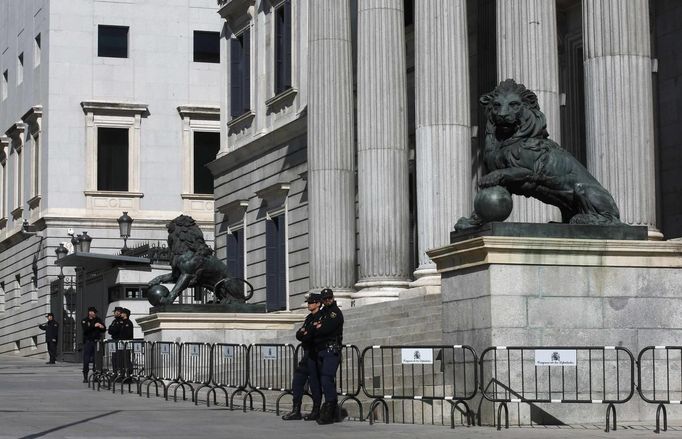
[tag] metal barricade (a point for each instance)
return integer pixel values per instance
(130, 362)
(195, 368)
(270, 367)
(349, 376)
(229, 371)
(109, 370)
(557, 374)
(146, 371)
(165, 366)
(99, 369)
(422, 374)
(659, 378)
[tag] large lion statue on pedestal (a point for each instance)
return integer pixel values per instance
(194, 265)
(520, 157)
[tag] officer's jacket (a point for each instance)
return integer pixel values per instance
(51, 329)
(331, 327)
(115, 328)
(90, 333)
(306, 333)
(126, 330)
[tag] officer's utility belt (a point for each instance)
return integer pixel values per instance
(333, 346)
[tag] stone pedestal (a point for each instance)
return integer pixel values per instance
(519, 291)
(241, 328)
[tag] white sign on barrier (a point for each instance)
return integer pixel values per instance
(269, 352)
(555, 357)
(228, 351)
(137, 348)
(194, 350)
(165, 349)
(121, 345)
(417, 356)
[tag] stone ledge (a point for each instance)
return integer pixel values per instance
(218, 321)
(486, 250)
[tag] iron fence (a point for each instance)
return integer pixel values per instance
(270, 367)
(553, 374)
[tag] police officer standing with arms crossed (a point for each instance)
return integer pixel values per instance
(51, 328)
(114, 330)
(328, 339)
(307, 368)
(93, 327)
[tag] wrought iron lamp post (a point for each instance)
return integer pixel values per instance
(125, 223)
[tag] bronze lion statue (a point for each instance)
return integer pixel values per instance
(520, 157)
(194, 265)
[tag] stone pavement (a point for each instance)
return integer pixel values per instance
(43, 401)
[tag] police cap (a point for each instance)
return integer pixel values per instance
(119, 309)
(49, 314)
(92, 308)
(326, 293)
(125, 311)
(313, 298)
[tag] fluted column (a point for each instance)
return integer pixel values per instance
(618, 104)
(443, 126)
(331, 179)
(382, 151)
(527, 51)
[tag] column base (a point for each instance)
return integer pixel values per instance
(654, 234)
(426, 276)
(375, 291)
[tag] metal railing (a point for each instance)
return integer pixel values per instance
(397, 374)
(270, 367)
(539, 374)
(420, 373)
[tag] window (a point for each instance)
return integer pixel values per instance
(240, 72)
(112, 159)
(5, 81)
(18, 178)
(283, 47)
(20, 68)
(206, 46)
(206, 147)
(112, 41)
(275, 264)
(3, 182)
(36, 51)
(35, 180)
(235, 253)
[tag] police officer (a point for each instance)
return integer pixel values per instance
(126, 333)
(93, 328)
(328, 339)
(51, 328)
(114, 330)
(307, 367)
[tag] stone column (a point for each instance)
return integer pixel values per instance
(331, 178)
(443, 126)
(382, 151)
(527, 51)
(619, 105)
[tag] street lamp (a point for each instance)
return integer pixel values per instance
(85, 241)
(124, 225)
(61, 251)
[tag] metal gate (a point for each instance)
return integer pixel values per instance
(63, 305)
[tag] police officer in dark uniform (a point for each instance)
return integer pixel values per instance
(114, 330)
(307, 367)
(126, 333)
(328, 340)
(93, 328)
(51, 328)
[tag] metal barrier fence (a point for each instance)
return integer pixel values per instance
(420, 373)
(230, 371)
(195, 368)
(567, 374)
(659, 377)
(270, 367)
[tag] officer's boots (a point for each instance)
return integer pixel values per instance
(327, 413)
(314, 413)
(85, 377)
(294, 414)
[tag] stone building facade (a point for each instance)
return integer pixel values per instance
(105, 106)
(351, 130)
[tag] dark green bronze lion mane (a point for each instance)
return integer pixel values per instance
(520, 156)
(193, 264)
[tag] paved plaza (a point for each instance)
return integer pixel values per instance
(43, 401)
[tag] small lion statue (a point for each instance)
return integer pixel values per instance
(520, 157)
(194, 265)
